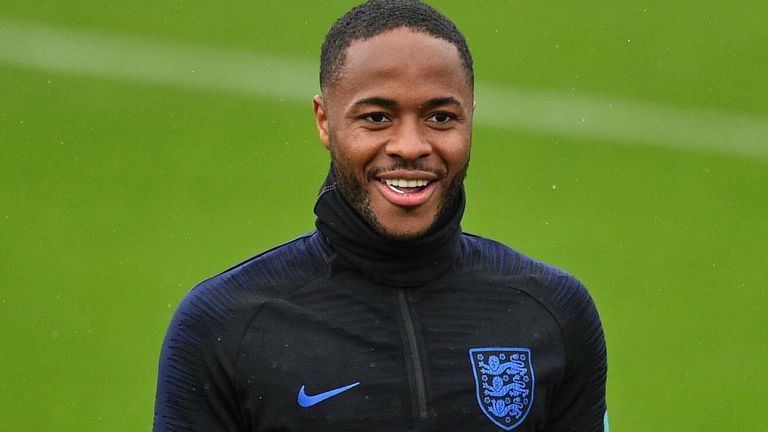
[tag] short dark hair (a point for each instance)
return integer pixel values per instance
(378, 16)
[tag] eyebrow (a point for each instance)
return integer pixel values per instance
(377, 101)
(391, 103)
(441, 101)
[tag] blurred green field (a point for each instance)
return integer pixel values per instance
(120, 191)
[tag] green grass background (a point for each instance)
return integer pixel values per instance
(116, 197)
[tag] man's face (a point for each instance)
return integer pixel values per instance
(398, 124)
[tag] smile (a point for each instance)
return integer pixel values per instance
(404, 186)
(407, 192)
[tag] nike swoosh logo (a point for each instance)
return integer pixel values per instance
(306, 401)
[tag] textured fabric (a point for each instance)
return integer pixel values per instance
(302, 317)
(391, 262)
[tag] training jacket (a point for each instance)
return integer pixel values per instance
(345, 330)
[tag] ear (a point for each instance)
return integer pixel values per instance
(321, 120)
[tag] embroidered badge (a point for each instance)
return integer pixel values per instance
(504, 383)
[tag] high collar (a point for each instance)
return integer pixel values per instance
(399, 263)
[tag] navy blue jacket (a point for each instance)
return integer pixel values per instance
(344, 330)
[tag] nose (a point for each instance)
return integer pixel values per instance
(409, 141)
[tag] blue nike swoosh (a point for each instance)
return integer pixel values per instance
(306, 401)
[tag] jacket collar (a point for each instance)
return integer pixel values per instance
(399, 263)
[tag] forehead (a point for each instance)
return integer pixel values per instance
(403, 55)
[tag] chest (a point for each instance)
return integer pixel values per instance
(350, 355)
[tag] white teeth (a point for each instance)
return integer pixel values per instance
(406, 183)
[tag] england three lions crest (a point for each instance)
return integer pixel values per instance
(504, 384)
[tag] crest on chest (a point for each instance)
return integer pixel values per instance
(504, 384)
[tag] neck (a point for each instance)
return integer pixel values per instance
(399, 263)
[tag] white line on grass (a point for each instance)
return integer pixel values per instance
(246, 73)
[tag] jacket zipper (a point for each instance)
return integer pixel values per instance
(412, 353)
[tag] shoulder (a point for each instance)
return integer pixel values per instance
(270, 274)
(480, 254)
(204, 336)
(282, 266)
(563, 295)
(199, 361)
(225, 303)
(557, 289)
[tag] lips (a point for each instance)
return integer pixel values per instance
(407, 189)
(405, 185)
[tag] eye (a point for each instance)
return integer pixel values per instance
(441, 118)
(376, 118)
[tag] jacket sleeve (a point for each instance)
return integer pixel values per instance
(579, 402)
(195, 390)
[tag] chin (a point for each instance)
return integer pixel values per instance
(401, 231)
(404, 235)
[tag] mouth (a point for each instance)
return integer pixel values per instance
(407, 189)
(406, 186)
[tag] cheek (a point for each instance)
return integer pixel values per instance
(457, 155)
(354, 151)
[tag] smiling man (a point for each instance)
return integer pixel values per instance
(397, 118)
(387, 317)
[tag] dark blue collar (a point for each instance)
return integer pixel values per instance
(399, 263)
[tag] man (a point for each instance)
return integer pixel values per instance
(387, 317)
